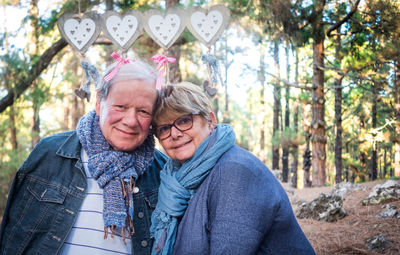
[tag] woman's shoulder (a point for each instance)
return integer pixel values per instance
(240, 159)
(240, 167)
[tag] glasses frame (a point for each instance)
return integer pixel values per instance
(173, 125)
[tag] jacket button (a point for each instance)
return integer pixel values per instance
(140, 215)
(135, 190)
(144, 243)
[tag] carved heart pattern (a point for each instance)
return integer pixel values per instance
(79, 32)
(165, 29)
(208, 25)
(122, 31)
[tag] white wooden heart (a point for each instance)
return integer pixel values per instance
(208, 25)
(165, 29)
(122, 30)
(79, 31)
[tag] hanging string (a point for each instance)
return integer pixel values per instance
(91, 74)
(79, 7)
(213, 68)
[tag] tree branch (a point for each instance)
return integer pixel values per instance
(288, 83)
(348, 16)
(33, 73)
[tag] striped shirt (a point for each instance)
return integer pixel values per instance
(87, 234)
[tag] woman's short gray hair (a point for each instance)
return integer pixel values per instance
(134, 70)
(180, 99)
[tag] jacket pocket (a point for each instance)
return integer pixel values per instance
(151, 199)
(31, 215)
(47, 192)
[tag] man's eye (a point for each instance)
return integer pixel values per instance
(144, 112)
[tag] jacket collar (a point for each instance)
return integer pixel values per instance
(71, 148)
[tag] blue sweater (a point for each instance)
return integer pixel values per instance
(240, 208)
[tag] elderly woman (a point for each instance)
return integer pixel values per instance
(215, 197)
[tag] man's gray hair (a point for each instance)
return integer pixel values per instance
(137, 70)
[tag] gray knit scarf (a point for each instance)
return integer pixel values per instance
(114, 171)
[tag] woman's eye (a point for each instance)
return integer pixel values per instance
(183, 120)
(163, 129)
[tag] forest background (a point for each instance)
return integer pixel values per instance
(311, 87)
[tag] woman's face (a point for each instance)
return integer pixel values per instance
(181, 145)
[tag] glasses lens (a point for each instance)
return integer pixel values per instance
(184, 123)
(163, 131)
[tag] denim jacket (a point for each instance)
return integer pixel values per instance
(48, 191)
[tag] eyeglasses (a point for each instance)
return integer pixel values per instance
(182, 123)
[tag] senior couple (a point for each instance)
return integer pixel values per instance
(104, 189)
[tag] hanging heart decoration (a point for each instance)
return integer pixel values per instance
(164, 29)
(208, 25)
(79, 31)
(122, 30)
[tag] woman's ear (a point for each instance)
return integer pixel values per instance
(212, 122)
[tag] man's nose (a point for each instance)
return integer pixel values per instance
(130, 118)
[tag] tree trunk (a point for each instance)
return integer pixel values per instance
(261, 77)
(306, 116)
(295, 147)
(226, 118)
(318, 137)
(174, 75)
(13, 129)
(397, 116)
(384, 163)
(374, 163)
(295, 153)
(338, 113)
(78, 105)
(11, 114)
(36, 97)
(307, 162)
(277, 107)
(285, 145)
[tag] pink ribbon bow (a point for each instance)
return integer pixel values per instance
(121, 61)
(162, 65)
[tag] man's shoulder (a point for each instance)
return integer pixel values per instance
(56, 141)
(58, 137)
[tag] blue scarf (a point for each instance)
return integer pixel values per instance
(114, 171)
(179, 183)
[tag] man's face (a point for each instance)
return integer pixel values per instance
(125, 115)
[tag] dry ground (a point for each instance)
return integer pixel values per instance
(348, 235)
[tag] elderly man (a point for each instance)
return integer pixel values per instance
(91, 191)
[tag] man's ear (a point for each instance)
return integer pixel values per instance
(98, 100)
(212, 123)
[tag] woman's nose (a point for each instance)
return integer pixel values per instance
(175, 133)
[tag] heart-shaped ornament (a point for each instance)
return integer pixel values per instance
(79, 31)
(210, 91)
(165, 29)
(208, 25)
(122, 30)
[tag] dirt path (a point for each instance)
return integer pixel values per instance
(348, 235)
